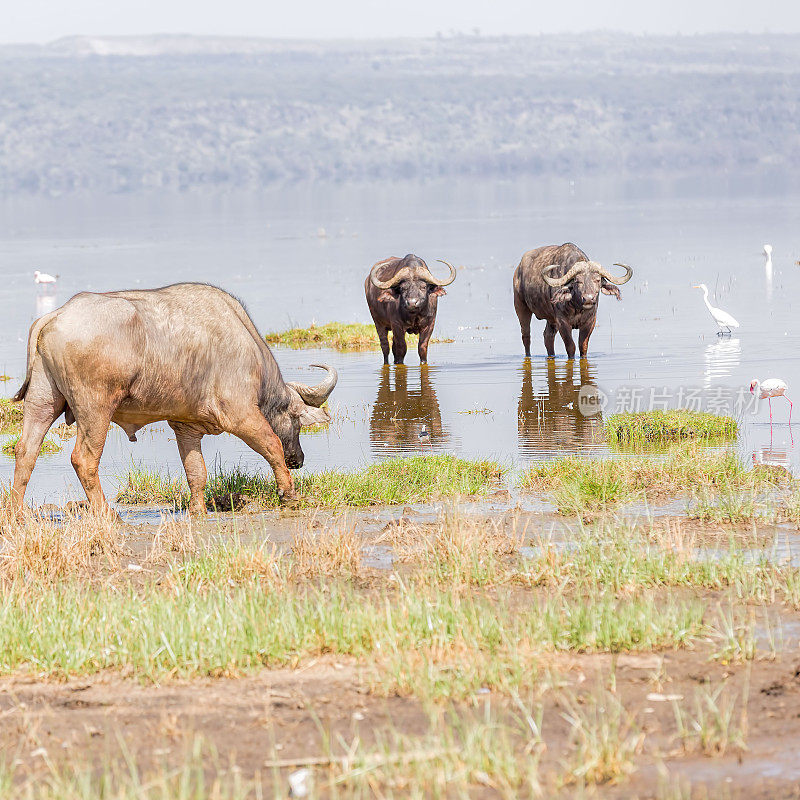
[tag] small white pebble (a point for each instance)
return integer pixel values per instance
(358, 716)
(298, 783)
(134, 567)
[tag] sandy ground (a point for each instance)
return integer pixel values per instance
(279, 714)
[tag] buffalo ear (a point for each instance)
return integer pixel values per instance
(609, 288)
(386, 296)
(438, 291)
(310, 415)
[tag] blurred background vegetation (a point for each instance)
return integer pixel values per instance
(124, 114)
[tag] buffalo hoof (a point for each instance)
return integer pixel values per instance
(290, 500)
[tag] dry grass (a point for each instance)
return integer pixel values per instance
(455, 549)
(604, 737)
(333, 549)
(41, 549)
(175, 537)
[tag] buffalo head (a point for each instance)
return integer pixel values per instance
(412, 285)
(304, 408)
(583, 283)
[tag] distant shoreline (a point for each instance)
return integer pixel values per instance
(196, 112)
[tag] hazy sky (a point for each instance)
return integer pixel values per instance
(45, 20)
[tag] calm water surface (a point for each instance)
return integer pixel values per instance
(300, 255)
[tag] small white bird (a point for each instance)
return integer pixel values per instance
(43, 277)
(722, 318)
(768, 256)
(772, 387)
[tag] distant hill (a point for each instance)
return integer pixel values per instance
(125, 113)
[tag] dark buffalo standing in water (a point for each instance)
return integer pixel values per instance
(187, 354)
(560, 284)
(402, 296)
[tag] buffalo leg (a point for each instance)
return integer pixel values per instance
(424, 340)
(89, 443)
(43, 404)
(383, 338)
(257, 434)
(565, 329)
(399, 348)
(549, 340)
(524, 315)
(583, 338)
(193, 465)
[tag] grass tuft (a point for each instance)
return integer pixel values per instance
(48, 446)
(338, 335)
(579, 485)
(662, 427)
(10, 414)
(604, 737)
(397, 480)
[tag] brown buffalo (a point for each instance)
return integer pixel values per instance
(402, 296)
(560, 284)
(188, 354)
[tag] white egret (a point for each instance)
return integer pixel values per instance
(43, 277)
(772, 387)
(722, 318)
(768, 257)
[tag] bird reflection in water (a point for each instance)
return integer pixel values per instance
(776, 461)
(45, 303)
(548, 419)
(403, 417)
(722, 359)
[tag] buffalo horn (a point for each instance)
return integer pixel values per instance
(317, 395)
(400, 275)
(430, 279)
(619, 281)
(581, 266)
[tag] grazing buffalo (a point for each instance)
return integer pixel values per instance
(188, 354)
(402, 296)
(561, 285)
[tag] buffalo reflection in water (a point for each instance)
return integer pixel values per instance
(400, 412)
(548, 418)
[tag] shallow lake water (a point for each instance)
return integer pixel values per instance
(301, 254)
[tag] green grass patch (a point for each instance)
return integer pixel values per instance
(578, 485)
(731, 507)
(176, 629)
(643, 428)
(398, 480)
(10, 414)
(48, 446)
(337, 335)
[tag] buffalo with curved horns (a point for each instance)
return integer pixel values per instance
(561, 285)
(402, 296)
(188, 354)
